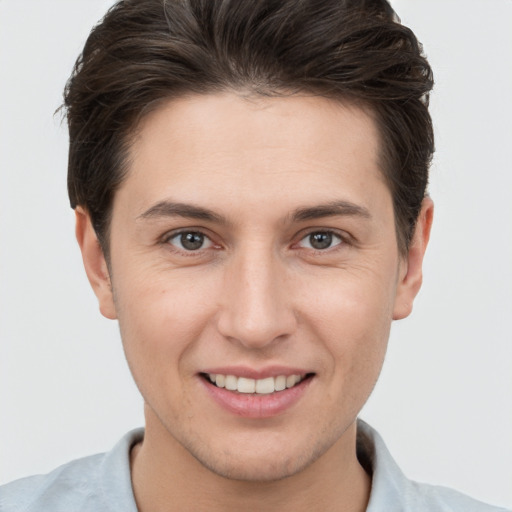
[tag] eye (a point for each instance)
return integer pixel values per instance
(190, 241)
(320, 240)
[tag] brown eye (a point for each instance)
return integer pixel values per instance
(320, 240)
(190, 241)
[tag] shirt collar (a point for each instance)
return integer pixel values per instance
(115, 480)
(389, 485)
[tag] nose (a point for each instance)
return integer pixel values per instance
(257, 305)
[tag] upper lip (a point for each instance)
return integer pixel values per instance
(256, 373)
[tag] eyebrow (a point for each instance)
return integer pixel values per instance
(164, 209)
(331, 209)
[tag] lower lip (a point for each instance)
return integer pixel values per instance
(252, 405)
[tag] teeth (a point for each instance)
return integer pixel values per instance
(259, 386)
(265, 386)
(280, 383)
(220, 380)
(246, 385)
(291, 381)
(231, 382)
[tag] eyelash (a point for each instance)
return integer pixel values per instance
(335, 239)
(167, 239)
(342, 239)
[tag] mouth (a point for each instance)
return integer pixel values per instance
(257, 393)
(247, 386)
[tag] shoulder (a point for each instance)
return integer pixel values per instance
(98, 483)
(63, 489)
(392, 490)
(442, 499)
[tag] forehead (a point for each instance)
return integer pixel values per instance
(225, 148)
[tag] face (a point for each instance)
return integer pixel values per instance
(253, 245)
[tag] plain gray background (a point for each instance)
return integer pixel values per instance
(443, 403)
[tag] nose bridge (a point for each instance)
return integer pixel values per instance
(257, 307)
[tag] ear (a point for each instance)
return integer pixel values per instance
(411, 267)
(94, 262)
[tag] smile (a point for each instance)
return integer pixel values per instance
(256, 394)
(264, 386)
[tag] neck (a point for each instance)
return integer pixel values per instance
(166, 477)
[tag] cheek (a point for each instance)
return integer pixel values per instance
(160, 321)
(153, 299)
(351, 316)
(354, 329)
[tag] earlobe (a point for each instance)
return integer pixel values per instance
(411, 277)
(94, 262)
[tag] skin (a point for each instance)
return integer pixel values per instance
(255, 294)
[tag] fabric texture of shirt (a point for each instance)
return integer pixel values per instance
(102, 483)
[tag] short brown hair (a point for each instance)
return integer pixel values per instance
(146, 51)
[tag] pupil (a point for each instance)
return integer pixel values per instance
(192, 241)
(320, 240)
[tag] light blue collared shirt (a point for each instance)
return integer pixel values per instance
(102, 483)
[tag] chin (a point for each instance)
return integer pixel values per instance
(260, 463)
(257, 470)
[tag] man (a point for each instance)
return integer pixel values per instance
(249, 181)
